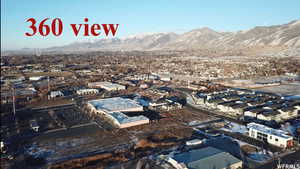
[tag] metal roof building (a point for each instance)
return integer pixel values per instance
(113, 108)
(208, 158)
(116, 104)
(107, 86)
(124, 121)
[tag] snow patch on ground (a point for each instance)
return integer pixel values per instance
(235, 128)
(39, 152)
(259, 156)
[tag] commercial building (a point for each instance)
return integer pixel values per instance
(123, 121)
(165, 78)
(107, 86)
(113, 110)
(114, 104)
(54, 94)
(87, 91)
(273, 136)
(36, 78)
(205, 158)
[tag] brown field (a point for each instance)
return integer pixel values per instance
(162, 134)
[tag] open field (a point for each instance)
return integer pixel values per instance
(86, 141)
(291, 89)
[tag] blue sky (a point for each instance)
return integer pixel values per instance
(138, 16)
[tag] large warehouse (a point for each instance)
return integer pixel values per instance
(115, 104)
(113, 109)
(107, 86)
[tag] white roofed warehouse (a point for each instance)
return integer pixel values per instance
(114, 104)
(114, 109)
(107, 86)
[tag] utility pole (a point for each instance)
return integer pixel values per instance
(48, 84)
(14, 101)
(48, 88)
(149, 71)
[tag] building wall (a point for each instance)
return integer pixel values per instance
(119, 87)
(114, 121)
(135, 109)
(265, 118)
(54, 94)
(136, 123)
(236, 165)
(249, 114)
(272, 139)
(87, 91)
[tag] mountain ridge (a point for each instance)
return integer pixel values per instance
(286, 35)
(276, 35)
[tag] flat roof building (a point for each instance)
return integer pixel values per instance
(207, 158)
(113, 110)
(87, 91)
(115, 104)
(107, 86)
(36, 78)
(273, 136)
(54, 94)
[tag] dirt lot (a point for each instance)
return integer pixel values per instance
(187, 115)
(46, 103)
(70, 145)
(85, 139)
(169, 131)
(291, 89)
(145, 140)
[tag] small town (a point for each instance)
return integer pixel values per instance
(150, 84)
(127, 112)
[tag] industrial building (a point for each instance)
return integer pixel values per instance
(205, 158)
(113, 110)
(107, 86)
(273, 136)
